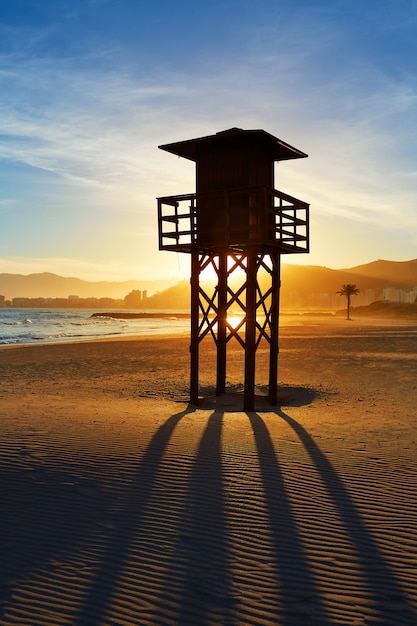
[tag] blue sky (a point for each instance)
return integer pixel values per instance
(89, 89)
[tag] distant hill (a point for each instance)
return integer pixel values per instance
(47, 285)
(401, 274)
(315, 287)
(378, 274)
(176, 298)
(303, 286)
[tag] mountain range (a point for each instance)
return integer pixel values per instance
(376, 276)
(303, 286)
(316, 287)
(47, 285)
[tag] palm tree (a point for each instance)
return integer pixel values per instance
(348, 290)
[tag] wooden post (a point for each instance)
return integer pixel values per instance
(221, 324)
(250, 338)
(274, 331)
(195, 318)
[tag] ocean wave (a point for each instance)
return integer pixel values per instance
(97, 321)
(37, 326)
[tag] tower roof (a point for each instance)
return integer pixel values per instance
(189, 149)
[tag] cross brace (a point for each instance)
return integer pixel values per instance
(248, 286)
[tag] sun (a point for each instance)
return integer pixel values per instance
(235, 318)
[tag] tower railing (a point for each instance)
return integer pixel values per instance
(211, 221)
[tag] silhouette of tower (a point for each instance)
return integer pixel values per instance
(237, 224)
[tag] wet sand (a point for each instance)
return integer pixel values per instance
(121, 504)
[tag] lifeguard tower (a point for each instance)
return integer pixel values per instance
(235, 223)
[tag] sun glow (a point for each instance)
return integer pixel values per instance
(209, 274)
(210, 271)
(235, 318)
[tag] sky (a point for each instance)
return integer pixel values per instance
(90, 88)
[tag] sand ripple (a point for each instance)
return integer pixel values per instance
(130, 511)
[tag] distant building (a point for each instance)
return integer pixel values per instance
(399, 295)
(2, 301)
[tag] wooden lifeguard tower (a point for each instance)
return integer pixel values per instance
(235, 222)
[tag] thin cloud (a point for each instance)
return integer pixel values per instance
(95, 123)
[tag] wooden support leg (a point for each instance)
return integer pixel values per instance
(250, 342)
(221, 324)
(195, 285)
(274, 348)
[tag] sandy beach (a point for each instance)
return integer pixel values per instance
(121, 504)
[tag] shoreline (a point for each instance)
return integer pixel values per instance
(287, 321)
(129, 316)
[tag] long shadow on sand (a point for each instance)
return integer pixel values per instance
(388, 599)
(204, 591)
(294, 575)
(205, 594)
(105, 580)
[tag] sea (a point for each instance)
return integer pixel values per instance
(38, 326)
